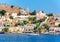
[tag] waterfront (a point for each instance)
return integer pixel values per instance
(30, 38)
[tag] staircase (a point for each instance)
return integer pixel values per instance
(44, 21)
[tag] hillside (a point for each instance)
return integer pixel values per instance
(10, 9)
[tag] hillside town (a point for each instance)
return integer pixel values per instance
(15, 19)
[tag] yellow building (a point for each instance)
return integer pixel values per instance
(19, 29)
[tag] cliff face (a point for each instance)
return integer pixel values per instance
(10, 9)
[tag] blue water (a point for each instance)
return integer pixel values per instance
(29, 38)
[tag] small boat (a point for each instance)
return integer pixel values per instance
(35, 34)
(1, 32)
(32, 34)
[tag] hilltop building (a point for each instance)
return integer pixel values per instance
(40, 15)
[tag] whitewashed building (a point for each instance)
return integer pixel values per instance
(40, 15)
(54, 29)
(29, 28)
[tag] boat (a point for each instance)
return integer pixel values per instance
(1, 32)
(32, 34)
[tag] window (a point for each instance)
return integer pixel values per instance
(29, 29)
(22, 11)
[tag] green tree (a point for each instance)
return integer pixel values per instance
(12, 6)
(25, 22)
(50, 14)
(2, 12)
(11, 17)
(34, 18)
(42, 11)
(59, 25)
(43, 19)
(37, 29)
(56, 19)
(5, 30)
(36, 22)
(33, 13)
(46, 26)
(30, 19)
(19, 23)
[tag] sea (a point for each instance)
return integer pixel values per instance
(29, 38)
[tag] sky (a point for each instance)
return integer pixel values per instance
(48, 6)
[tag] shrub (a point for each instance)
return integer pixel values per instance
(12, 6)
(33, 13)
(11, 17)
(50, 14)
(46, 26)
(2, 12)
(5, 30)
(59, 25)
